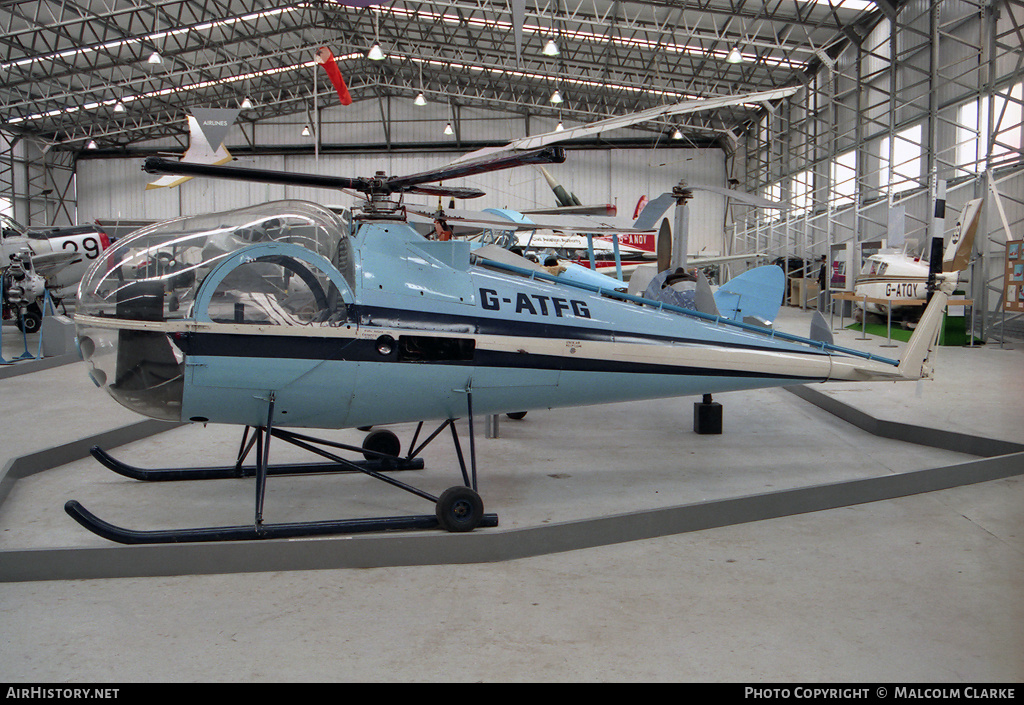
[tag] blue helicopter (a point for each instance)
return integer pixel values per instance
(289, 315)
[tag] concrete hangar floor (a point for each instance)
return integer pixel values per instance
(825, 535)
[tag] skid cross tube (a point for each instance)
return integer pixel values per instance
(295, 440)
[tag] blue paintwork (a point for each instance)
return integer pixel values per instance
(757, 292)
(402, 281)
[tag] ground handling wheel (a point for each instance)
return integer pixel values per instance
(385, 442)
(459, 509)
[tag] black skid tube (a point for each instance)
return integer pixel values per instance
(234, 471)
(247, 533)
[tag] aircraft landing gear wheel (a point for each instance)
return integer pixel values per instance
(459, 509)
(381, 442)
(516, 415)
(30, 320)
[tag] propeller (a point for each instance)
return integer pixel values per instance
(378, 185)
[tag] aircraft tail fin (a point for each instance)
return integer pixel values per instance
(958, 252)
(941, 281)
(563, 197)
(199, 152)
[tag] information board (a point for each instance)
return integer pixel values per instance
(1014, 293)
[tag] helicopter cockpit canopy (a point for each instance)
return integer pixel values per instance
(174, 257)
(288, 263)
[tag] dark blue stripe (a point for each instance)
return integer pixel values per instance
(305, 348)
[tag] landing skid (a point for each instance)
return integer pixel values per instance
(227, 472)
(264, 531)
(458, 508)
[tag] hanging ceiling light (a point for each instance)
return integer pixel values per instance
(91, 144)
(556, 97)
(448, 129)
(559, 127)
(246, 104)
(550, 49)
(676, 134)
(154, 58)
(375, 53)
(305, 131)
(735, 57)
(420, 99)
(119, 107)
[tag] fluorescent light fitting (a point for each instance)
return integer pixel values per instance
(305, 131)
(550, 49)
(375, 53)
(556, 97)
(448, 129)
(155, 58)
(735, 57)
(420, 99)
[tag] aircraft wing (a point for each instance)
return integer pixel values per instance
(585, 224)
(459, 219)
(703, 261)
(605, 209)
(621, 121)
(653, 210)
(49, 264)
(563, 223)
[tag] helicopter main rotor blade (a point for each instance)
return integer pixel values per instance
(545, 155)
(378, 185)
(619, 121)
(159, 165)
(453, 191)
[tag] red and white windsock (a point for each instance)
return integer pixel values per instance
(325, 58)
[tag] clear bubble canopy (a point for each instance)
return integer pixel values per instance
(281, 263)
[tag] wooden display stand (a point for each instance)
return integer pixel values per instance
(850, 296)
(801, 288)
